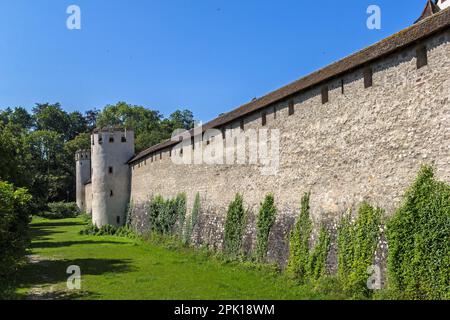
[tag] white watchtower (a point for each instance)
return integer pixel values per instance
(111, 175)
(83, 175)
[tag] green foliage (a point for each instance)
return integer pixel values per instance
(266, 219)
(234, 227)
(192, 222)
(299, 243)
(61, 210)
(14, 220)
(164, 214)
(149, 125)
(419, 241)
(108, 230)
(318, 258)
(357, 243)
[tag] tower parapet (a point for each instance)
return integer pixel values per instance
(111, 175)
(83, 175)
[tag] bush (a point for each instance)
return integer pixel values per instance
(234, 227)
(419, 244)
(357, 243)
(61, 210)
(266, 219)
(192, 222)
(108, 230)
(15, 207)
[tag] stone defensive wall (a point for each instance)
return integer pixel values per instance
(356, 130)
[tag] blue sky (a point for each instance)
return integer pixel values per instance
(209, 56)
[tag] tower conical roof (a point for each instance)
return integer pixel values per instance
(430, 9)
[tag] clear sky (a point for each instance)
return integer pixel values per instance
(209, 56)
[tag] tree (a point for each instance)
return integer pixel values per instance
(50, 117)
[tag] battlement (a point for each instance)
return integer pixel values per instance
(112, 135)
(81, 155)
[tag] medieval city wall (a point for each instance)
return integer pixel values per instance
(364, 144)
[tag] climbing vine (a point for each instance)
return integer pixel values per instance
(299, 242)
(357, 243)
(234, 227)
(317, 265)
(192, 222)
(164, 214)
(419, 241)
(266, 219)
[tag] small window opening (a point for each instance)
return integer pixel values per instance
(111, 139)
(342, 86)
(110, 170)
(263, 118)
(422, 57)
(291, 107)
(118, 219)
(111, 193)
(242, 124)
(100, 139)
(123, 139)
(274, 112)
(368, 77)
(325, 95)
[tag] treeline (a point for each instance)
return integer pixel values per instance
(37, 148)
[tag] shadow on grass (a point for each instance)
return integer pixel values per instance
(42, 276)
(58, 224)
(59, 244)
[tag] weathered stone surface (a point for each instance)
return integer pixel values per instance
(365, 144)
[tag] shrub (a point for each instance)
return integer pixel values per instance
(357, 243)
(266, 219)
(61, 210)
(419, 241)
(299, 242)
(192, 222)
(14, 220)
(234, 227)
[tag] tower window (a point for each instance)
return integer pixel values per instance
(223, 132)
(123, 139)
(263, 118)
(160, 155)
(100, 139)
(368, 77)
(118, 219)
(242, 124)
(422, 57)
(342, 86)
(111, 139)
(193, 143)
(181, 151)
(274, 112)
(110, 170)
(325, 94)
(111, 193)
(291, 107)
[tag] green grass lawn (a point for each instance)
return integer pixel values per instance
(121, 268)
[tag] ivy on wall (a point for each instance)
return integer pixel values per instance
(192, 222)
(317, 266)
(299, 242)
(164, 214)
(266, 219)
(234, 226)
(357, 243)
(419, 241)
